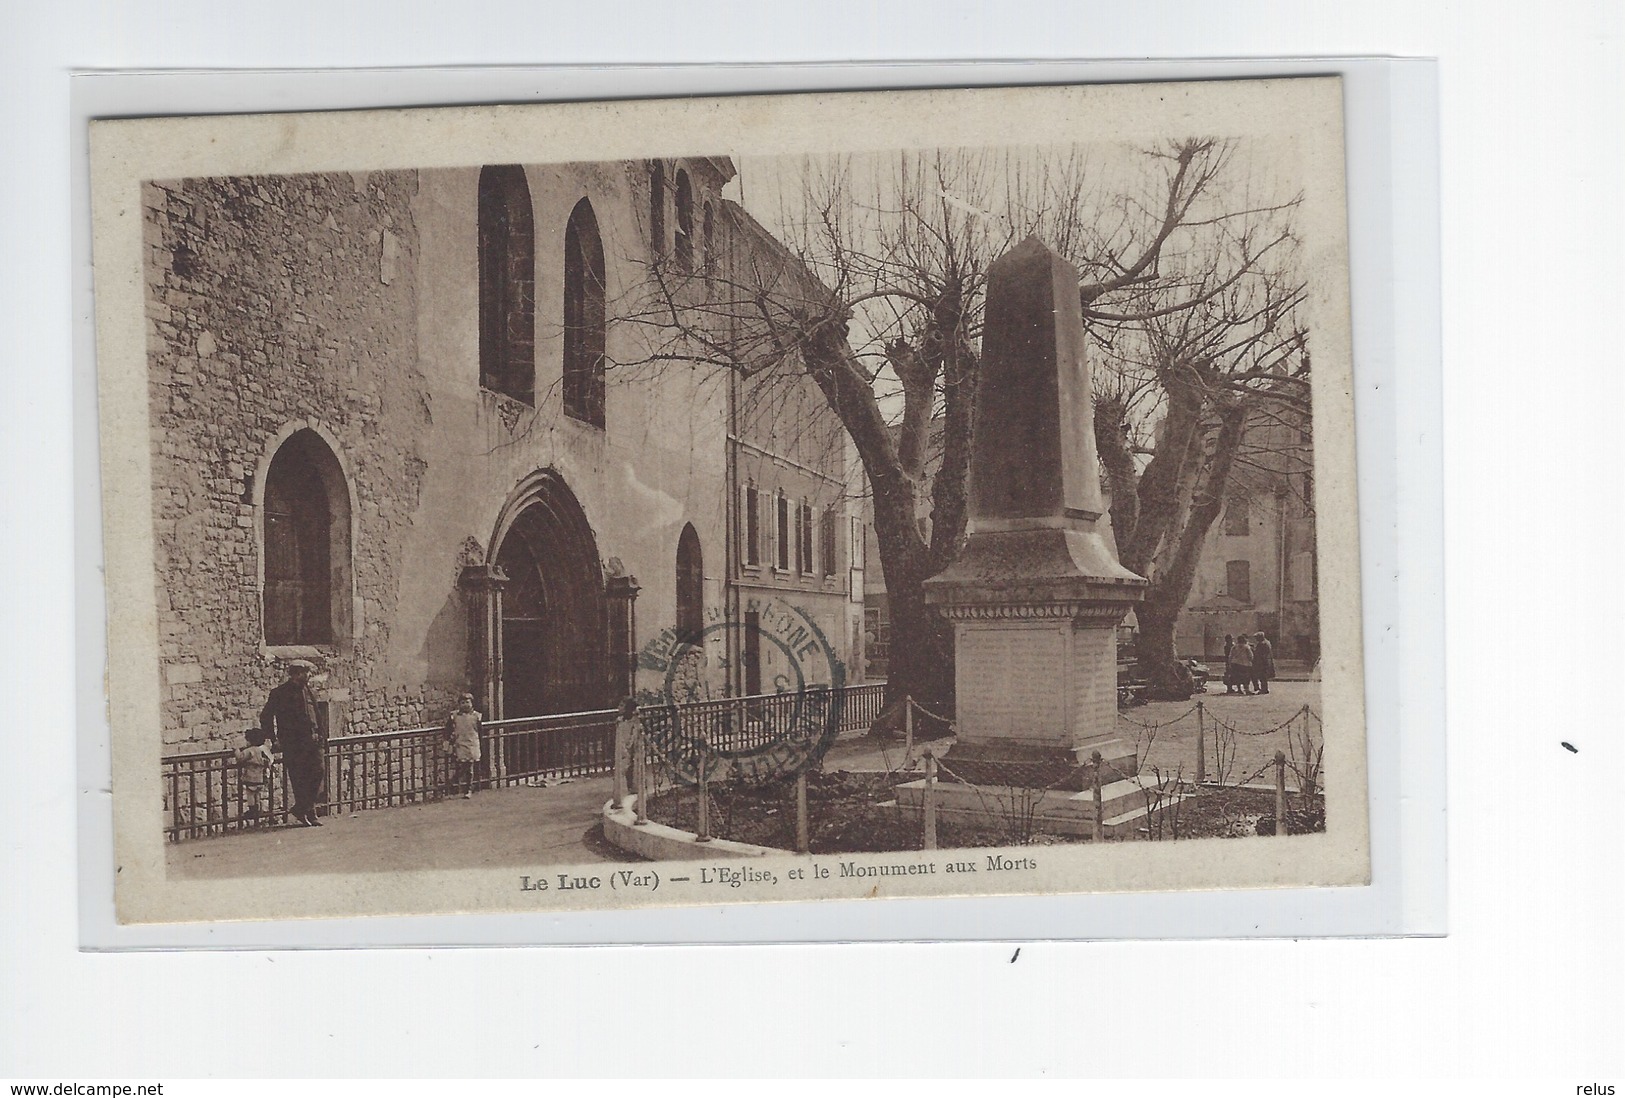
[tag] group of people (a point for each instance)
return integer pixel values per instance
(1249, 664)
(291, 722)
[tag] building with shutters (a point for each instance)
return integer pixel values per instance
(401, 428)
(1257, 571)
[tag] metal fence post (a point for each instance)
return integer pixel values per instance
(908, 726)
(1280, 793)
(704, 835)
(930, 840)
(1201, 748)
(803, 831)
(1100, 821)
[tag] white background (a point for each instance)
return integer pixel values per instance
(1530, 978)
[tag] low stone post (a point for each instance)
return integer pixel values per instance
(704, 835)
(1094, 780)
(1280, 793)
(930, 841)
(640, 778)
(803, 831)
(618, 764)
(1201, 748)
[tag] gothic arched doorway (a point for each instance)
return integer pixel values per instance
(554, 658)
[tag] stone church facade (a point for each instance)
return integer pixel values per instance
(400, 428)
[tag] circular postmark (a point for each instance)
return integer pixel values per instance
(697, 726)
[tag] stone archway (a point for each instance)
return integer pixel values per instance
(551, 652)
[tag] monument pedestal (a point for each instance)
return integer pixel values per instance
(1059, 811)
(1035, 614)
(1036, 596)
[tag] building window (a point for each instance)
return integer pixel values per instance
(826, 541)
(684, 243)
(876, 636)
(782, 546)
(804, 539)
(507, 246)
(307, 544)
(690, 587)
(583, 317)
(708, 242)
(859, 549)
(1301, 577)
(1238, 580)
(657, 209)
(1238, 517)
(753, 527)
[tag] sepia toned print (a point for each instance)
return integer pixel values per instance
(845, 496)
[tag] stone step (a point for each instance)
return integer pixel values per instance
(1002, 764)
(1122, 804)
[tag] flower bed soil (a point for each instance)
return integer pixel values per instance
(1238, 813)
(847, 813)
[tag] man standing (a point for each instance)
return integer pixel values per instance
(1263, 662)
(291, 720)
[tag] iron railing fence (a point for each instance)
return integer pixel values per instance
(203, 794)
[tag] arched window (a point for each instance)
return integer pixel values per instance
(583, 317)
(685, 224)
(507, 283)
(690, 587)
(657, 208)
(708, 242)
(307, 544)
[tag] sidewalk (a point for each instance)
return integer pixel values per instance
(519, 825)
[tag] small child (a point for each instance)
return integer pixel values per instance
(463, 732)
(254, 765)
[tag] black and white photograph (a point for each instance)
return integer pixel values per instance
(785, 498)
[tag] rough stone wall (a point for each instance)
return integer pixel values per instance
(270, 301)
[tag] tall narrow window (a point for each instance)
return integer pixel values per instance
(583, 317)
(753, 527)
(826, 541)
(804, 539)
(1237, 517)
(1238, 580)
(507, 245)
(708, 242)
(690, 587)
(782, 545)
(684, 243)
(657, 209)
(307, 544)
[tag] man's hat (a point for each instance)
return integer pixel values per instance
(298, 665)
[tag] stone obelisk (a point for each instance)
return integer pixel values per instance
(1037, 594)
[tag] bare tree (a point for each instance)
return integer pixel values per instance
(872, 289)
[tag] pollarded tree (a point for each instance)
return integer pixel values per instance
(871, 289)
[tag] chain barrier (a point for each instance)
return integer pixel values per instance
(918, 708)
(1220, 722)
(1154, 725)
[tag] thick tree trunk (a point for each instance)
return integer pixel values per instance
(1166, 677)
(921, 662)
(1165, 599)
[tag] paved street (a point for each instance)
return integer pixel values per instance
(520, 825)
(1174, 745)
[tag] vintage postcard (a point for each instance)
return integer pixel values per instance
(782, 498)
